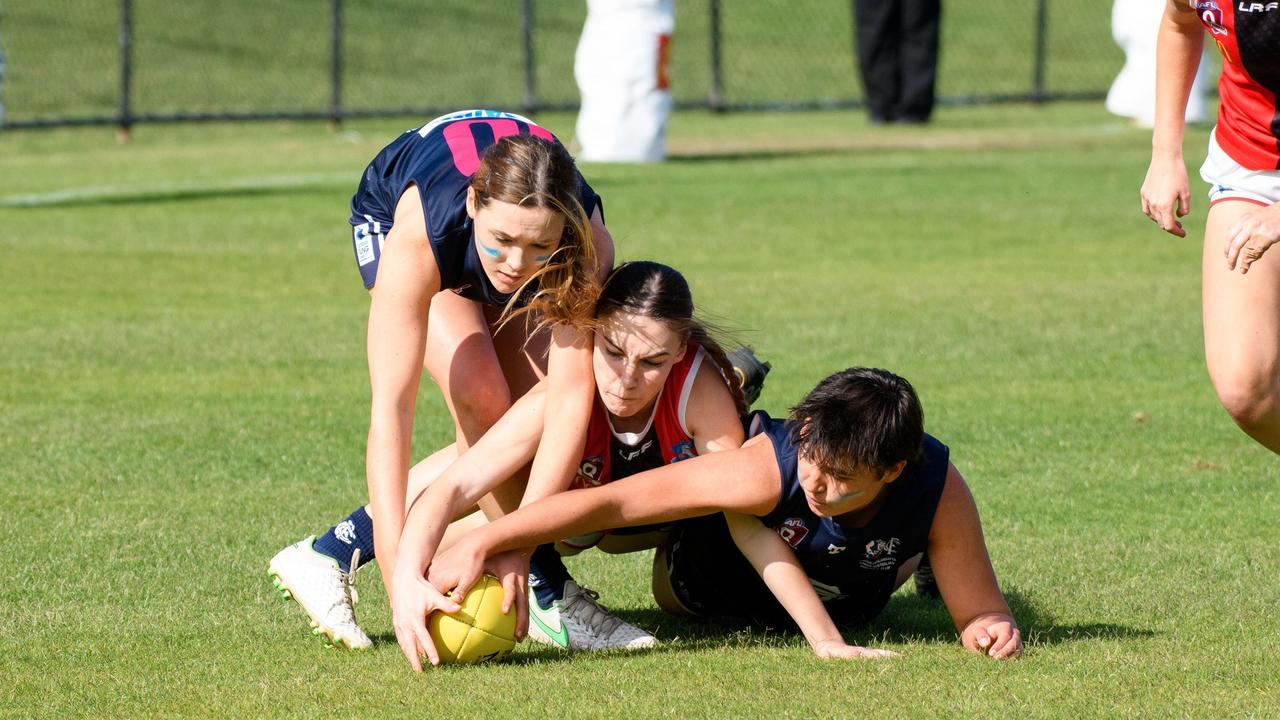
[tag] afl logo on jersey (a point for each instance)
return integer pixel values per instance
(589, 471)
(793, 531)
(683, 450)
(1210, 15)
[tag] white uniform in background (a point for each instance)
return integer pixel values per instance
(621, 69)
(1134, 25)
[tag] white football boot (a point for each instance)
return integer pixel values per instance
(326, 594)
(579, 622)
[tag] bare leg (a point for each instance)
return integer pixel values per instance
(1242, 330)
(461, 359)
(479, 374)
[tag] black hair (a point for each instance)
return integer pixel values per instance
(859, 417)
(658, 291)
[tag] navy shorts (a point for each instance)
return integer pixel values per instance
(710, 577)
(367, 239)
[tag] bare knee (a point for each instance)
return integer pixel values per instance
(1247, 394)
(477, 405)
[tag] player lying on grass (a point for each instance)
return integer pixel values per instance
(651, 363)
(830, 508)
(662, 397)
(490, 206)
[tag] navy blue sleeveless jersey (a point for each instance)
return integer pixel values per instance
(853, 570)
(439, 158)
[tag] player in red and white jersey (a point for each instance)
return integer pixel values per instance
(665, 391)
(1241, 310)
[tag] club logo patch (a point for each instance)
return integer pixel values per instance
(880, 555)
(793, 530)
(683, 450)
(345, 531)
(589, 472)
(1210, 15)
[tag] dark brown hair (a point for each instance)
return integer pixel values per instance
(859, 417)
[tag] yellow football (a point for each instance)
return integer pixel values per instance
(479, 631)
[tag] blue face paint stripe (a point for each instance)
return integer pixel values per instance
(491, 252)
(540, 259)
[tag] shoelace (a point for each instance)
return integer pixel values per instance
(348, 582)
(597, 618)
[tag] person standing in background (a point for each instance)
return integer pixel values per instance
(1134, 26)
(897, 53)
(621, 69)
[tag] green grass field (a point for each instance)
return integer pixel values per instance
(183, 391)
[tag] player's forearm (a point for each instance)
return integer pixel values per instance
(566, 414)
(790, 585)
(387, 473)
(556, 460)
(566, 514)
(1179, 47)
(786, 579)
(426, 524)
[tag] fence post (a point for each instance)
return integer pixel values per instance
(1038, 93)
(124, 111)
(715, 94)
(530, 77)
(335, 65)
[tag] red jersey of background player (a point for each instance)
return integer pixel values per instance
(1247, 32)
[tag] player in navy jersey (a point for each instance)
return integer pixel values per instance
(1241, 310)
(831, 508)
(666, 392)
(479, 227)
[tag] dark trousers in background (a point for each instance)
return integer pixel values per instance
(897, 50)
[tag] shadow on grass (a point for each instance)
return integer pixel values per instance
(912, 618)
(909, 618)
(527, 653)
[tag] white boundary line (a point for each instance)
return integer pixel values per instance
(142, 191)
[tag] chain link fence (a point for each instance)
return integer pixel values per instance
(119, 62)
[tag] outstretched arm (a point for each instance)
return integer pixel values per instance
(407, 278)
(744, 480)
(1166, 194)
(571, 387)
(770, 555)
(965, 577)
(499, 454)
